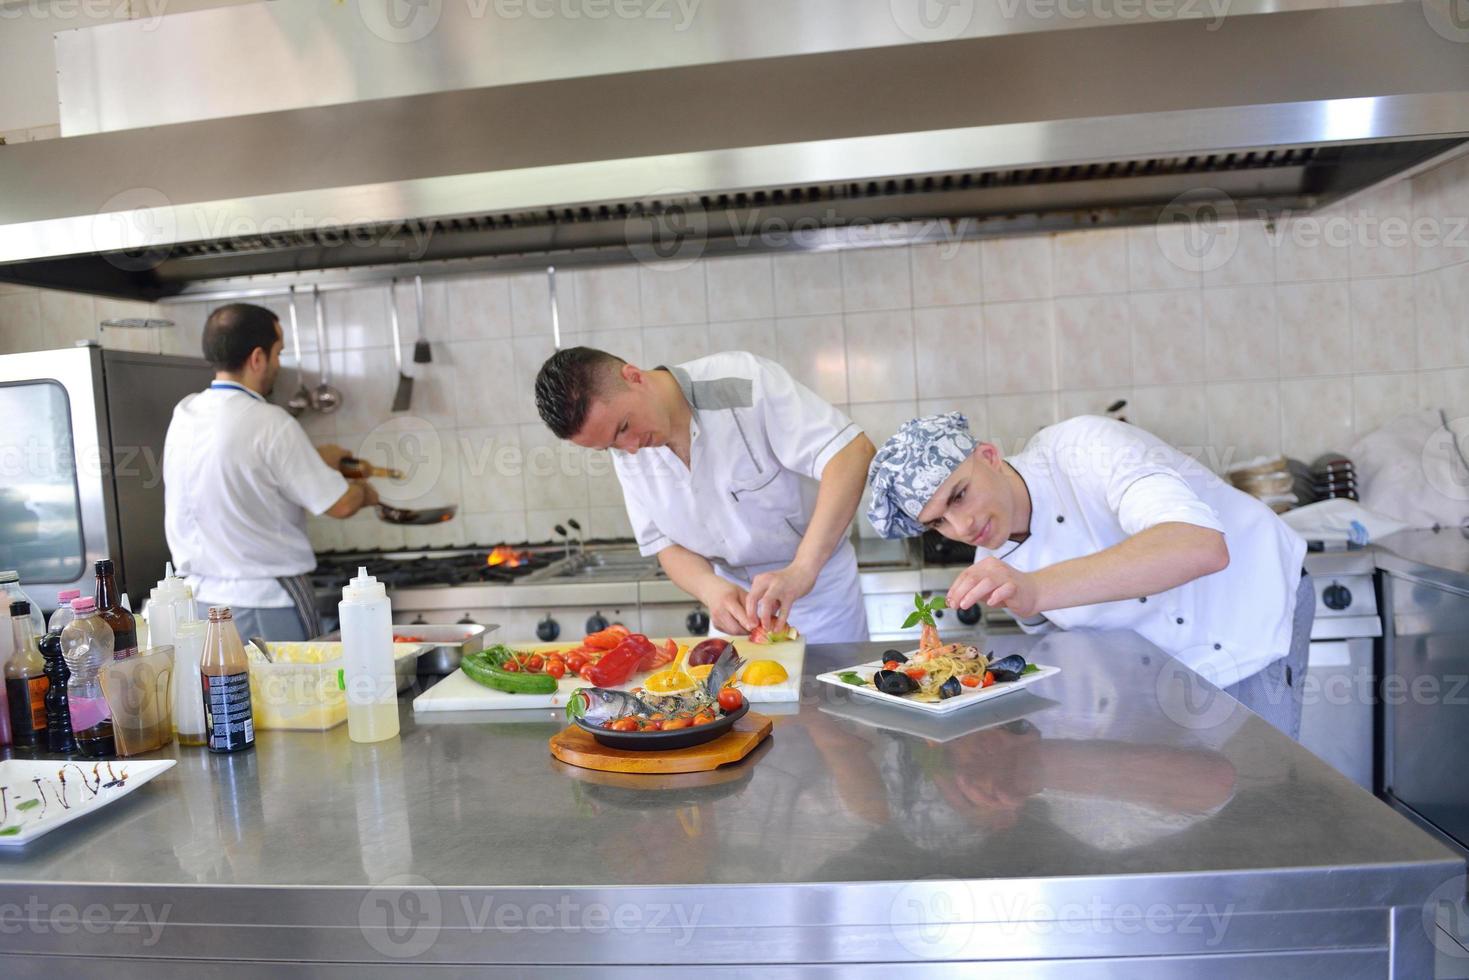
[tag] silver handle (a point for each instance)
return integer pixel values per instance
(397, 333)
(325, 372)
(296, 339)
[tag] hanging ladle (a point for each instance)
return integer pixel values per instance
(300, 401)
(326, 399)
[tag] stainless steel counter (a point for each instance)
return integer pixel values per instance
(1438, 557)
(1123, 820)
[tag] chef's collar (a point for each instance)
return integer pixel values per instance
(235, 385)
(685, 385)
(1031, 468)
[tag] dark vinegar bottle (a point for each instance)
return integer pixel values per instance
(109, 607)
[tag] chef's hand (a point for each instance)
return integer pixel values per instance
(369, 493)
(726, 602)
(995, 583)
(332, 455)
(773, 593)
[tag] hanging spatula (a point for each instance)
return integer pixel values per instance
(422, 352)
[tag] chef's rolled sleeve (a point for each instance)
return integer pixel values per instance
(301, 474)
(804, 429)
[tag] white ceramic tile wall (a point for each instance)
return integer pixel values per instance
(1308, 334)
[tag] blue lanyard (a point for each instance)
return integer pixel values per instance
(234, 386)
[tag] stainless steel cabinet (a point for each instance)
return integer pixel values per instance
(1425, 692)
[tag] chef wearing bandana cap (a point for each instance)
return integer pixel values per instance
(1098, 524)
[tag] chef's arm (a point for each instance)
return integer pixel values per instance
(1154, 560)
(359, 494)
(695, 575)
(840, 492)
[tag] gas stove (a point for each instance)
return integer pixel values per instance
(501, 564)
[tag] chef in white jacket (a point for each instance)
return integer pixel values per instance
(1098, 524)
(740, 479)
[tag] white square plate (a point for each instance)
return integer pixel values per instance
(30, 816)
(976, 695)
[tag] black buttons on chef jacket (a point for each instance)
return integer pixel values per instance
(1218, 647)
(1180, 620)
(1060, 518)
(1142, 598)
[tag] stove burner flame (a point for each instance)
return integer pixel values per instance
(507, 556)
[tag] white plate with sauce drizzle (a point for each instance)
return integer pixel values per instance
(35, 798)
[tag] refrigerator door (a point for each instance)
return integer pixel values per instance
(141, 392)
(1427, 666)
(55, 495)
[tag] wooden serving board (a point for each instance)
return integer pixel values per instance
(458, 693)
(577, 747)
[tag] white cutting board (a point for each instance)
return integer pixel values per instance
(458, 693)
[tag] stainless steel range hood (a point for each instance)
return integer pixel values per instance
(1059, 128)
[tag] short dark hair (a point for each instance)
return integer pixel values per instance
(568, 382)
(233, 331)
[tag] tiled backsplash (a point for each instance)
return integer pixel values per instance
(1296, 337)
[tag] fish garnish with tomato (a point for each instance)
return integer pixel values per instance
(641, 711)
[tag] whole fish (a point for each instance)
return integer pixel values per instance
(599, 705)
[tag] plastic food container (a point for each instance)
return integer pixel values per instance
(137, 694)
(300, 690)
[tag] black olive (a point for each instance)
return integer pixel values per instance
(950, 688)
(894, 682)
(894, 655)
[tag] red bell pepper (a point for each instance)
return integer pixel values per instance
(621, 662)
(608, 638)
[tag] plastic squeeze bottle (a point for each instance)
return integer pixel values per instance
(367, 659)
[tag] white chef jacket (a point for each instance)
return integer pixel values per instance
(760, 441)
(1095, 481)
(239, 478)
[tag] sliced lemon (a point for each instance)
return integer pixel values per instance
(761, 673)
(701, 673)
(669, 681)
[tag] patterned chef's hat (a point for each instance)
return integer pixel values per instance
(908, 469)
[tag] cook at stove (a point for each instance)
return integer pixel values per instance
(740, 479)
(240, 477)
(1099, 524)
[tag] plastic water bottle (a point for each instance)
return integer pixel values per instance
(63, 613)
(86, 643)
(10, 582)
(367, 659)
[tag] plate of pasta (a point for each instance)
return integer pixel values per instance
(938, 679)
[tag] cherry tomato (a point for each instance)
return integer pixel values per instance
(534, 663)
(969, 680)
(890, 665)
(989, 678)
(512, 665)
(730, 699)
(675, 723)
(556, 669)
(584, 672)
(575, 662)
(915, 672)
(624, 725)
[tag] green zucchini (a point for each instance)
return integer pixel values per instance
(484, 668)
